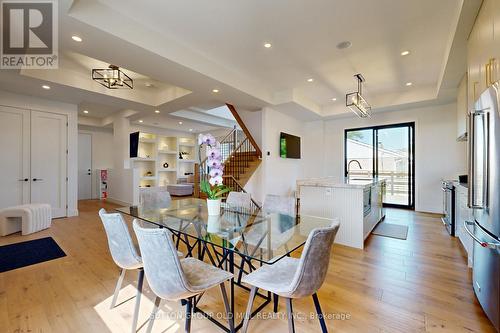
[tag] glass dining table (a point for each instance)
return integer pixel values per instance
(239, 240)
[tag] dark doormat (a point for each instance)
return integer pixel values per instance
(28, 253)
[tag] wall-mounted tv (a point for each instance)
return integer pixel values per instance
(289, 146)
(134, 144)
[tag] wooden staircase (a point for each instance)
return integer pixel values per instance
(241, 158)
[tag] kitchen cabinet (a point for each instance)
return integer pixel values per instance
(356, 203)
(483, 51)
(463, 213)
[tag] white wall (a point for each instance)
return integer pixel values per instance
(102, 151)
(253, 121)
(70, 110)
(276, 175)
(122, 181)
(437, 153)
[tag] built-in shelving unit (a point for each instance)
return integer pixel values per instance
(162, 160)
(186, 157)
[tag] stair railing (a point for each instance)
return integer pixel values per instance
(236, 150)
(230, 181)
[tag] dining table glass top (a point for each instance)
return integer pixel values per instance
(258, 234)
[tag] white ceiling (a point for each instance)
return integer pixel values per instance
(189, 47)
(232, 34)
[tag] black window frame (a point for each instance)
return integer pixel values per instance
(411, 159)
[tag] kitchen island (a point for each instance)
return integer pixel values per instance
(357, 203)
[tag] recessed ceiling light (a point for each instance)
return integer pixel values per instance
(180, 122)
(334, 99)
(190, 130)
(267, 45)
(157, 111)
(76, 38)
(310, 80)
(85, 111)
(344, 45)
(405, 53)
(141, 121)
(215, 90)
(148, 84)
(409, 84)
(46, 87)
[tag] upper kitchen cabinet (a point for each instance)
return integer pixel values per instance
(482, 51)
(496, 41)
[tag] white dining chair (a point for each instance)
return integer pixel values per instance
(173, 279)
(297, 277)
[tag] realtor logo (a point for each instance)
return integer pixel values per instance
(29, 34)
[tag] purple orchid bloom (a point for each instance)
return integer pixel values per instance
(210, 140)
(214, 154)
(215, 181)
(214, 163)
(215, 172)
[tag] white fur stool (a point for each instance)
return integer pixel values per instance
(26, 218)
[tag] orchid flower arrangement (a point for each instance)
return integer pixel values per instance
(213, 188)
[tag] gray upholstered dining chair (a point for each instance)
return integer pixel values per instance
(298, 277)
(279, 204)
(124, 254)
(155, 197)
(239, 199)
(174, 279)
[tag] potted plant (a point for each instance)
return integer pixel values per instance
(213, 188)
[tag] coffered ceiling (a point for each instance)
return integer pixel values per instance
(206, 53)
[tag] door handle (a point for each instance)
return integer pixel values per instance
(477, 240)
(37, 179)
(472, 200)
(24, 180)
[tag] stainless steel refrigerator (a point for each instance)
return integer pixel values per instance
(484, 199)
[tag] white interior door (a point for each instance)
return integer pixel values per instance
(84, 166)
(49, 142)
(15, 152)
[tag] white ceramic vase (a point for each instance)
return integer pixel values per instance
(213, 224)
(213, 206)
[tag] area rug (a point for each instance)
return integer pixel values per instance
(391, 230)
(28, 253)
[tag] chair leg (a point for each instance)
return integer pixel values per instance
(229, 314)
(140, 281)
(189, 313)
(153, 314)
(320, 313)
(117, 288)
(289, 309)
(248, 313)
(276, 299)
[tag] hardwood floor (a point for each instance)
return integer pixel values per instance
(421, 284)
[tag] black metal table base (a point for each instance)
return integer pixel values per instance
(226, 260)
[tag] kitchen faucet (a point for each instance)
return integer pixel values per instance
(349, 166)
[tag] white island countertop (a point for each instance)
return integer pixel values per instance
(355, 183)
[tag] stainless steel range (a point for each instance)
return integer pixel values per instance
(449, 206)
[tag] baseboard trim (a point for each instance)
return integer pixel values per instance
(72, 212)
(118, 202)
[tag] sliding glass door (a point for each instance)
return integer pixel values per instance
(386, 152)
